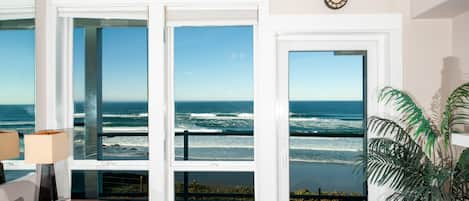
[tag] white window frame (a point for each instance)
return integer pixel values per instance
(13, 10)
(65, 58)
(380, 35)
(203, 16)
(65, 29)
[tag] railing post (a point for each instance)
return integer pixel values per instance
(186, 145)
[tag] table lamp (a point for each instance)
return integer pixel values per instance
(45, 148)
(9, 148)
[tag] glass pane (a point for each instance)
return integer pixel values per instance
(11, 175)
(213, 76)
(214, 186)
(327, 111)
(110, 84)
(17, 81)
(110, 185)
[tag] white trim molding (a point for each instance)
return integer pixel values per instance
(19, 9)
(114, 12)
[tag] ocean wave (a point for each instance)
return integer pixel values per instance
(16, 123)
(123, 129)
(137, 115)
(307, 119)
(126, 145)
(217, 146)
(342, 116)
(197, 130)
(344, 162)
(227, 116)
(238, 158)
(238, 146)
(331, 149)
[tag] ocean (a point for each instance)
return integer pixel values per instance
(315, 162)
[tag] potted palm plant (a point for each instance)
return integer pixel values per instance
(413, 155)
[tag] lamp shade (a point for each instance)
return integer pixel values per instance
(46, 147)
(9, 145)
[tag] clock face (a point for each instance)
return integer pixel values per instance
(335, 4)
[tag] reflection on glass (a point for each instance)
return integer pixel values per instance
(326, 124)
(111, 185)
(213, 76)
(214, 186)
(111, 114)
(17, 77)
(11, 175)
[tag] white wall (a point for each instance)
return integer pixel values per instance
(426, 42)
(461, 45)
(420, 6)
(461, 42)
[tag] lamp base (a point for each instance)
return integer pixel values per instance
(2, 174)
(48, 186)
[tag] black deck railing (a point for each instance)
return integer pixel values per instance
(239, 133)
(186, 194)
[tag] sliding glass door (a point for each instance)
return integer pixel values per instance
(325, 91)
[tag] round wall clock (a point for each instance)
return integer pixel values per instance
(335, 4)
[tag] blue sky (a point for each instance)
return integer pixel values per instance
(16, 66)
(211, 63)
(324, 76)
(124, 64)
(214, 63)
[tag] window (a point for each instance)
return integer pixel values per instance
(110, 75)
(213, 87)
(17, 81)
(213, 112)
(327, 118)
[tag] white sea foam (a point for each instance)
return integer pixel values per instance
(216, 146)
(202, 115)
(235, 158)
(305, 119)
(334, 149)
(221, 116)
(126, 144)
(323, 161)
(125, 129)
(79, 115)
(197, 130)
(238, 146)
(16, 123)
(246, 115)
(139, 115)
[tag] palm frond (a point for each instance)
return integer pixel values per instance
(398, 165)
(387, 128)
(411, 114)
(456, 109)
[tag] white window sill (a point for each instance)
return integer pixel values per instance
(461, 139)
